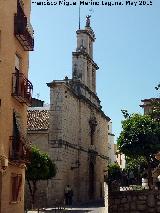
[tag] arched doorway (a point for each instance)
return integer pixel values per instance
(91, 181)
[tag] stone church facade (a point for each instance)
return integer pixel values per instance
(77, 134)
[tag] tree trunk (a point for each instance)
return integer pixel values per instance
(32, 189)
(33, 193)
(150, 179)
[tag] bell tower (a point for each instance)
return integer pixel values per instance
(83, 66)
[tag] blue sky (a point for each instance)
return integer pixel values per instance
(127, 50)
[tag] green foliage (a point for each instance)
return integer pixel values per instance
(125, 113)
(157, 87)
(40, 167)
(155, 112)
(140, 136)
(114, 172)
(135, 164)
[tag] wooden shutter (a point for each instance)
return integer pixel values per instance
(16, 181)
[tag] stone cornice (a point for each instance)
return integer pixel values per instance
(95, 107)
(65, 144)
(55, 82)
(89, 32)
(86, 55)
(80, 96)
(42, 131)
(17, 164)
(86, 88)
(83, 98)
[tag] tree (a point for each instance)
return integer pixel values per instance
(133, 164)
(40, 167)
(157, 87)
(114, 172)
(137, 166)
(155, 104)
(140, 137)
(155, 109)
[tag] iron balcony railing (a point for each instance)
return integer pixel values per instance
(17, 150)
(21, 88)
(23, 29)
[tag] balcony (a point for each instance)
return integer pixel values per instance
(17, 150)
(21, 88)
(23, 29)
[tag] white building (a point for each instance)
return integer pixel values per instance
(111, 149)
(120, 158)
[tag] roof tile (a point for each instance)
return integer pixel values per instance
(37, 119)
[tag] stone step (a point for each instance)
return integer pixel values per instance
(61, 211)
(74, 210)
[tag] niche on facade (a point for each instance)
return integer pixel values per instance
(93, 124)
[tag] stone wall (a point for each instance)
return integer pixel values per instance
(40, 139)
(134, 201)
(9, 48)
(70, 142)
(41, 198)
